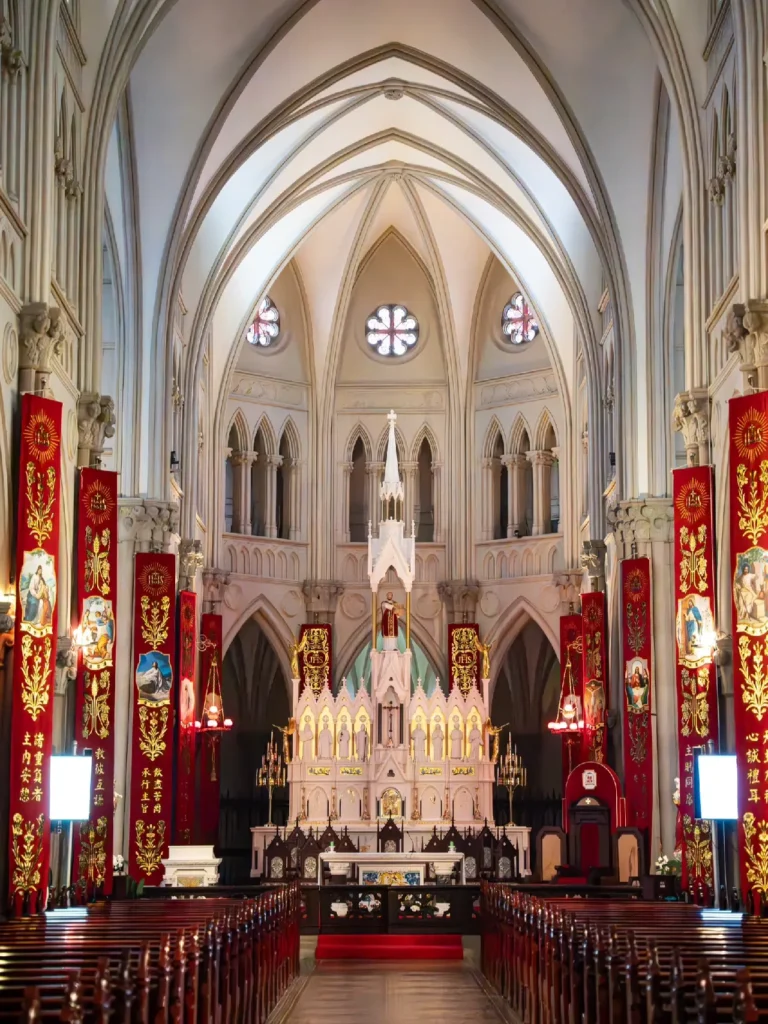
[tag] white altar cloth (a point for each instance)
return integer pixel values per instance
(391, 862)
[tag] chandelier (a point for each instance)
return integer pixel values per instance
(212, 718)
(569, 718)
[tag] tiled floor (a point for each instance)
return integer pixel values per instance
(351, 992)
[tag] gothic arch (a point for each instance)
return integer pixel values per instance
(511, 623)
(240, 424)
(268, 433)
(519, 435)
(546, 421)
(359, 433)
(381, 447)
(425, 432)
(292, 438)
(493, 432)
(272, 623)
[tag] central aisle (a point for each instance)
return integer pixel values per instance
(349, 992)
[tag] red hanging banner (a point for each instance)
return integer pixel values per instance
(315, 653)
(210, 746)
(37, 552)
(153, 701)
(696, 673)
(571, 672)
(748, 421)
(636, 636)
(185, 718)
(96, 607)
(464, 646)
(594, 740)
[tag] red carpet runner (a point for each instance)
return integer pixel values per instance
(389, 947)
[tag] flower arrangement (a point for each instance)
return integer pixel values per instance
(667, 866)
(118, 863)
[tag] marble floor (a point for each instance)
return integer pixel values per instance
(387, 992)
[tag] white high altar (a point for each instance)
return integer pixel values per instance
(390, 750)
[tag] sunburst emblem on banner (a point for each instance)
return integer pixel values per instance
(692, 501)
(751, 435)
(155, 579)
(635, 584)
(592, 615)
(41, 437)
(98, 502)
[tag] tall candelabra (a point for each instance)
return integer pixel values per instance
(510, 773)
(272, 772)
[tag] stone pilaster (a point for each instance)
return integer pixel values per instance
(321, 598)
(95, 423)
(64, 694)
(249, 458)
(593, 563)
(691, 418)
(437, 502)
(270, 520)
(191, 560)
(346, 470)
(374, 471)
(459, 598)
(542, 462)
(648, 524)
(40, 339)
(240, 465)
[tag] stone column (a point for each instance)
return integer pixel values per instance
(64, 694)
(237, 460)
(95, 423)
(294, 504)
(409, 481)
(142, 526)
(321, 598)
(437, 502)
(270, 520)
(691, 418)
(459, 599)
(40, 338)
(648, 523)
(542, 464)
(487, 496)
(249, 458)
(516, 468)
(346, 475)
(374, 472)
(584, 475)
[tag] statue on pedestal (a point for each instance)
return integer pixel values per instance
(361, 742)
(475, 742)
(485, 651)
(297, 647)
(494, 731)
(288, 732)
(344, 741)
(390, 621)
(307, 736)
(419, 743)
(437, 742)
(325, 742)
(457, 739)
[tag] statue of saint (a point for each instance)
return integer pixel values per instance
(485, 650)
(361, 742)
(325, 741)
(457, 740)
(288, 732)
(344, 742)
(390, 616)
(307, 736)
(475, 742)
(297, 647)
(437, 742)
(495, 731)
(419, 743)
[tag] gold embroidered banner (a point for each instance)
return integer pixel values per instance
(37, 552)
(595, 667)
(748, 420)
(315, 650)
(187, 703)
(636, 628)
(463, 643)
(95, 696)
(153, 701)
(694, 562)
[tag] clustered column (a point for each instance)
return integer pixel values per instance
(542, 465)
(270, 524)
(409, 476)
(488, 498)
(437, 501)
(517, 466)
(374, 471)
(294, 500)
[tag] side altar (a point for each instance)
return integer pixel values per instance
(388, 746)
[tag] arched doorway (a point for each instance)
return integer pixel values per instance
(526, 695)
(256, 697)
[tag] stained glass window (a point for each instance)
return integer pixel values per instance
(518, 321)
(266, 325)
(392, 330)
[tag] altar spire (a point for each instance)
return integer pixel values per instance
(391, 487)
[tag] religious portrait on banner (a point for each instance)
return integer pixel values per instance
(98, 631)
(594, 702)
(154, 677)
(37, 587)
(695, 628)
(750, 591)
(637, 682)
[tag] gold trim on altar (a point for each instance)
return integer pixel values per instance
(463, 769)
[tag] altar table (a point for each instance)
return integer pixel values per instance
(391, 868)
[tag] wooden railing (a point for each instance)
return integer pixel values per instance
(394, 909)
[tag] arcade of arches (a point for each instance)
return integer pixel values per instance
(233, 236)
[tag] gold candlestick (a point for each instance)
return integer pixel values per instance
(511, 773)
(272, 772)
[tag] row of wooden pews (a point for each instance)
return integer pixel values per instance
(201, 961)
(572, 961)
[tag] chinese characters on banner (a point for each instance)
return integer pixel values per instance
(187, 703)
(96, 609)
(314, 651)
(636, 628)
(37, 550)
(696, 674)
(153, 701)
(465, 668)
(571, 647)
(210, 745)
(594, 740)
(748, 421)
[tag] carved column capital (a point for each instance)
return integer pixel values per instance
(460, 599)
(321, 598)
(746, 332)
(215, 583)
(593, 562)
(191, 560)
(11, 58)
(66, 664)
(690, 417)
(645, 521)
(541, 458)
(716, 189)
(41, 336)
(568, 585)
(150, 525)
(95, 423)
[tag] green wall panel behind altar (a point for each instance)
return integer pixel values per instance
(421, 667)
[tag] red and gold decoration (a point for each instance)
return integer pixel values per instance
(594, 738)
(636, 640)
(749, 565)
(569, 721)
(153, 703)
(694, 574)
(96, 609)
(464, 645)
(312, 657)
(37, 550)
(211, 725)
(187, 704)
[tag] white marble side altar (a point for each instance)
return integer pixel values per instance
(191, 866)
(387, 865)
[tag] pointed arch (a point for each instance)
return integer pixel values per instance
(546, 420)
(381, 447)
(239, 423)
(424, 433)
(291, 436)
(520, 436)
(268, 433)
(493, 432)
(359, 433)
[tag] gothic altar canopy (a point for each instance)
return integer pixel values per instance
(389, 746)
